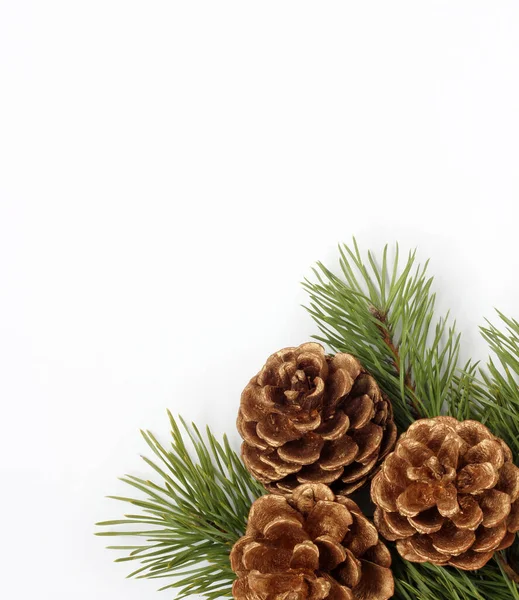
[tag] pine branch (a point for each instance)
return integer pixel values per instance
(385, 316)
(192, 517)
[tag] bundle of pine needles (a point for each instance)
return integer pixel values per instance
(191, 517)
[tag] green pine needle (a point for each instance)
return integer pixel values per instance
(191, 518)
(499, 394)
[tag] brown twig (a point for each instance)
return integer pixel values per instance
(396, 360)
(511, 573)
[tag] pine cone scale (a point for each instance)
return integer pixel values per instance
(305, 556)
(338, 453)
(334, 427)
(312, 423)
(368, 439)
(350, 572)
(508, 482)
(248, 429)
(360, 411)
(476, 478)
(316, 474)
(357, 471)
(375, 583)
(304, 451)
(489, 538)
(278, 464)
(453, 541)
(496, 507)
(447, 502)
(470, 560)
(276, 430)
(470, 515)
(428, 521)
(392, 526)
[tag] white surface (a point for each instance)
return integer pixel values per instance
(169, 173)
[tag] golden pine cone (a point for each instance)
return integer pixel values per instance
(310, 545)
(311, 418)
(448, 494)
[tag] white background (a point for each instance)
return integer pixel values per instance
(169, 172)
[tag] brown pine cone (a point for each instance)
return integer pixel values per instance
(310, 545)
(311, 418)
(448, 494)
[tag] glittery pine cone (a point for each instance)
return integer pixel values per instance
(311, 418)
(310, 545)
(448, 494)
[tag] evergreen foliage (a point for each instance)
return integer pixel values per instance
(192, 517)
(383, 312)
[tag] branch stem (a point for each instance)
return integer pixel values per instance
(396, 360)
(511, 573)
